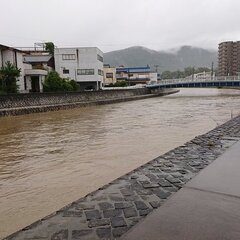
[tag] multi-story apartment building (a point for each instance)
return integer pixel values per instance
(82, 64)
(229, 58)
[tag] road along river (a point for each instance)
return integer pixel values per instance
(50, 159)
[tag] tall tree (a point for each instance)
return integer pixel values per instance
(49, 46)
(189, 71)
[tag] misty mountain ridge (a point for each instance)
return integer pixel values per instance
(172, 60)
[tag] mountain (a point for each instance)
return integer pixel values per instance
(166, 60)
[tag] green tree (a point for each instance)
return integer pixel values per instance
(8, 78)
(49, 46)
(185, 73)
(121, 84)
(118, 84)
(189, 71)
(54, 83)
(74, 85)
(177, 74)
(166, 75)
(202, 69)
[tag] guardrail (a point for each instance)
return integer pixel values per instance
(190, 80)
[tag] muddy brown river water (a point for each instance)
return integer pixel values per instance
(48, 160)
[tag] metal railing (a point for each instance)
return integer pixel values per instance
(192, 80)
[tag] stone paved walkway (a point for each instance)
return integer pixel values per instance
(113, 209)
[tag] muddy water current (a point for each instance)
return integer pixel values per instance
(48, 160)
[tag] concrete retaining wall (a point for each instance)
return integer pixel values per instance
(40, 99)
(20, 104)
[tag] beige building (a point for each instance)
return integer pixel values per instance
(229, 58)
(109, 75)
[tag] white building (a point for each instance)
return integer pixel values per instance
(202, 76)
(153, 78)
(31, 78)
(15, 57)
(84, 65)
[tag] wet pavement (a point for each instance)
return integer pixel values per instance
(206, 208)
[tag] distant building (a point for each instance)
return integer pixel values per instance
(153, 78)
(229, 58)
(134, 75)
(83, 64)
(201, 76)
(109, 75)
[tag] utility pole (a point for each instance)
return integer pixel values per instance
(212, 71)
(129, 77)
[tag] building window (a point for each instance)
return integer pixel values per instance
(100, 72)
(109, 75)
(99, 58)
(68, 56)
(65, 71)
(85, 72)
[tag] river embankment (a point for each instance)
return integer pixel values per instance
(20, 104)
(113, 209)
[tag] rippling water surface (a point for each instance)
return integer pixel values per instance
(50, 159)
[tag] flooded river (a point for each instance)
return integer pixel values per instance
(50, 159)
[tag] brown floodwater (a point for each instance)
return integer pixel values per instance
(48, 160)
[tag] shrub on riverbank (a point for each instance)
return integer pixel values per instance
(118, 84)
(8, 78)
(54, 83)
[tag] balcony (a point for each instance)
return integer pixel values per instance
(35, 72)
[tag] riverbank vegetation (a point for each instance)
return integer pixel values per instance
(185, 73)
(54, 83)
(9, 74)
(118, 84)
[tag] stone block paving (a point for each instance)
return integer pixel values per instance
(114, 208)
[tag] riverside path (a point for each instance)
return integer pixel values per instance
(206, 208)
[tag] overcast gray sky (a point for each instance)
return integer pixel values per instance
(117, 24)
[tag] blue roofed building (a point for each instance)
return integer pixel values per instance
(134, 75)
